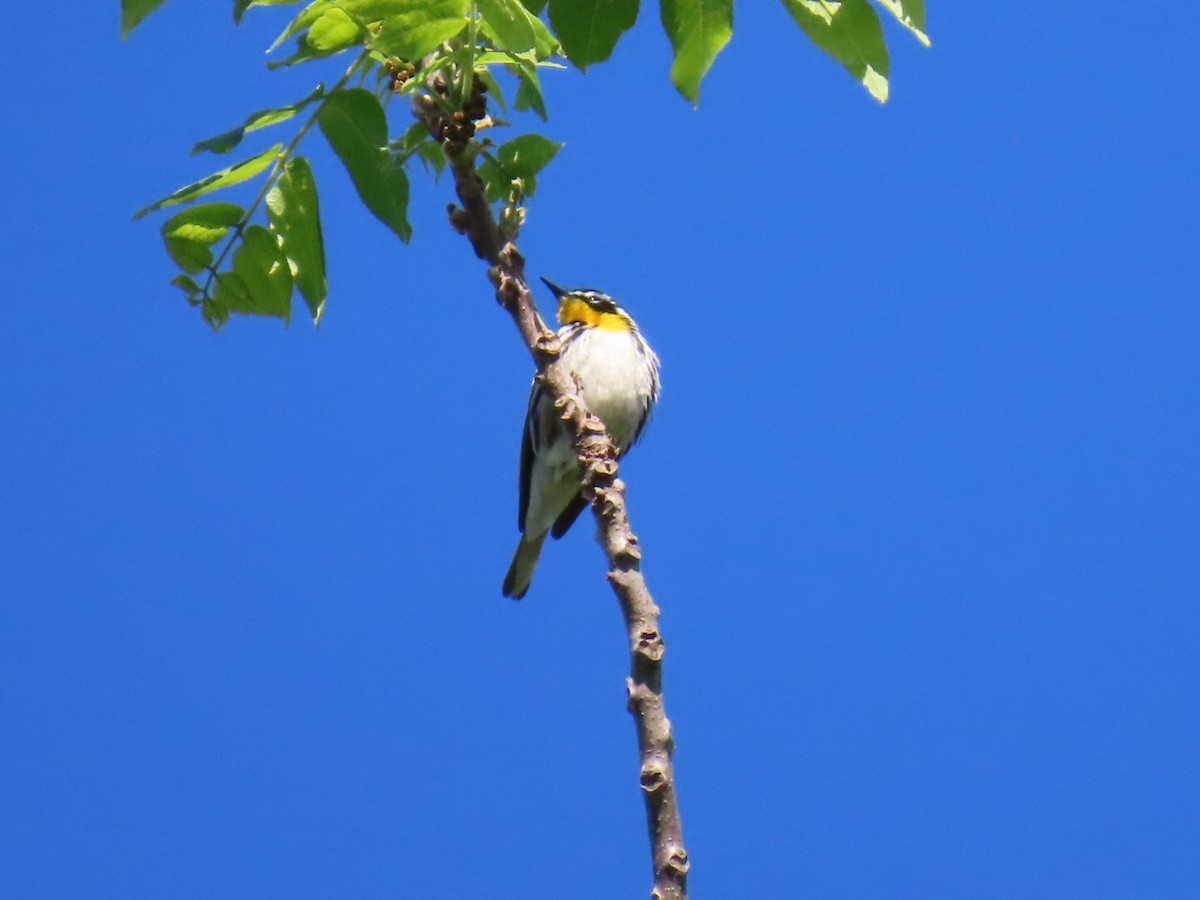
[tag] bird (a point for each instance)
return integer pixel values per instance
(617, 374)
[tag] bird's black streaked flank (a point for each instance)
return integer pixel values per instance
(618, 377)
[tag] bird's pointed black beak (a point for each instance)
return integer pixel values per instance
(558, 292)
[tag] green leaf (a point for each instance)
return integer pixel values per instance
(416, 140)
(432, 157)
(204, 222)
(263, 270)
(230, 175)
(376, 10)
(190, 256)
(295, 216)
(223, 143)
(229, 294)
(414, 135)
(529, 91)
(303, 20)
(509, 22)
(698, 30)
(495, 91)
(545, 44)
(215, 314)
(525, 156)
(334, 31)
(521, 158)
(133, 11)
(190, 288)
(220, 143)
(590, 29)
(354, 124)
(240, 6)
(495, 184)
(303, 53)
(910, 14)
(534, 6)
(849, 31)
(412, 33)
(188, 234)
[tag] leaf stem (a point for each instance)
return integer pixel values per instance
(276, 171)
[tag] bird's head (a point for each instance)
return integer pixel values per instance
(591, 308)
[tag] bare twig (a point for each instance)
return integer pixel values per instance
(598, 464)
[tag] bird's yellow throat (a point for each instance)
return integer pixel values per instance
(571, 309)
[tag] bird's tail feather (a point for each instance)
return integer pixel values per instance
(525, 560)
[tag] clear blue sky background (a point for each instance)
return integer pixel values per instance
(920, 505)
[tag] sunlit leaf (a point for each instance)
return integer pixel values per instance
(545, 44)
(230, 175)
(334, 31)
(910, 14)
(303, 20)
(294, 215)
(204, 222)
(698, 30)
(412, 33)
(509, 22)
(190, 233)
(849, 31)
(304, 53)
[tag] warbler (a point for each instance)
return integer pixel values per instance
(618, 378)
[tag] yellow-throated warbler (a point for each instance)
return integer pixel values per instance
(618, 376)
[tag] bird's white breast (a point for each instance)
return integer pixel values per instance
(618, 373)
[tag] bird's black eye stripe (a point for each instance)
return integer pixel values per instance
(599, 302)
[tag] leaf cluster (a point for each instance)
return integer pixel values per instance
(447, 54)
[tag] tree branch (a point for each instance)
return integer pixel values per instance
(606, 492)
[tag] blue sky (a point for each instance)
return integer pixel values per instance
(919, 505)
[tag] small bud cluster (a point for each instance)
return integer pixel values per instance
(460, 128)
(399, 72)
(476, 105)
